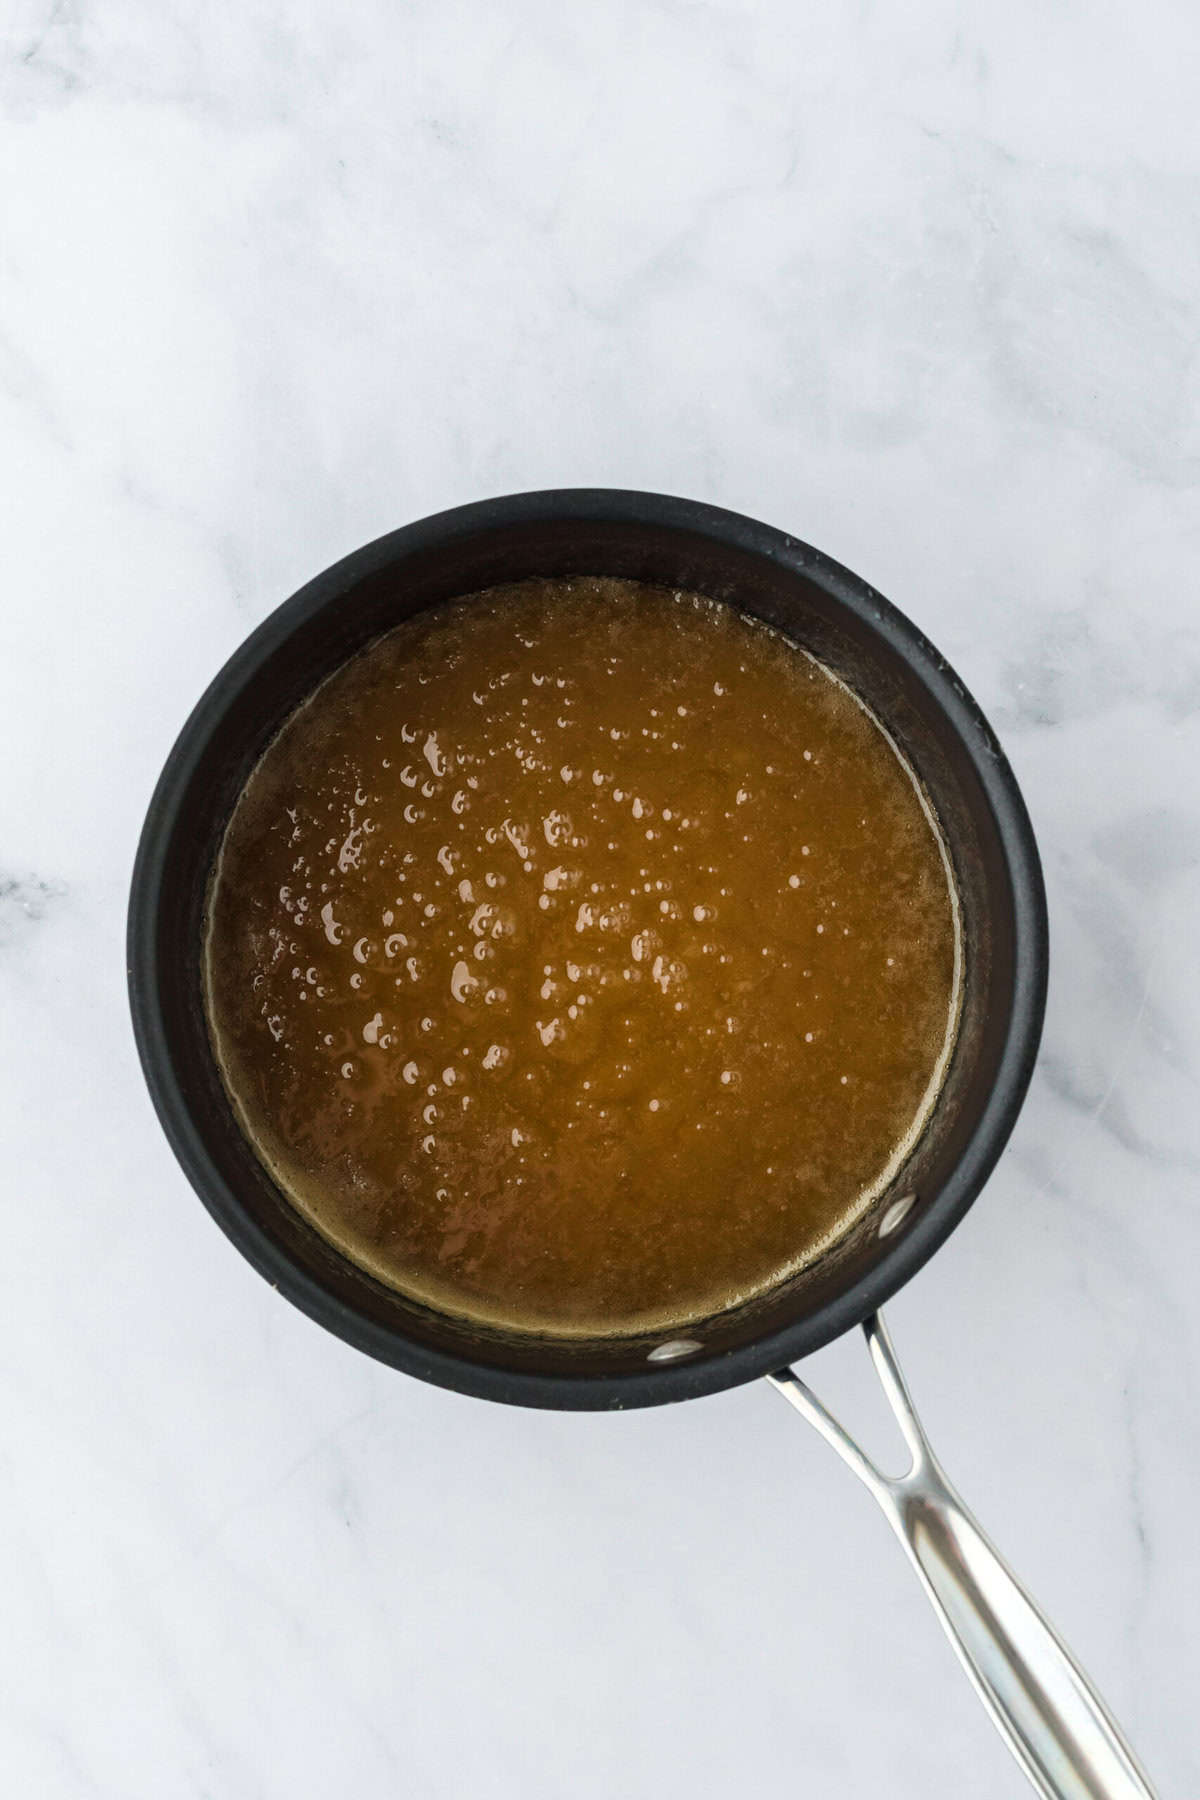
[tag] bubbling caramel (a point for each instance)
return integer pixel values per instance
(582, 958)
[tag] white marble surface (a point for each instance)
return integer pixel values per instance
(917, 283)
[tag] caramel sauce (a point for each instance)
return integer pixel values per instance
(582, 957)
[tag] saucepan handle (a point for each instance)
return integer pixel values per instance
(1049, 1714)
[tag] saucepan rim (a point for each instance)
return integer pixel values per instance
(901, 1258)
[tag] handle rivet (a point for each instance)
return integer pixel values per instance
(896, 1214)
(673, 1350)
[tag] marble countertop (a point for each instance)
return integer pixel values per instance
(919, 285)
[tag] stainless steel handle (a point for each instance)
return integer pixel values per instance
(1043, 1705)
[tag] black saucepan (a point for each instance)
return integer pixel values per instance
(855, 632)
(1053, 1722)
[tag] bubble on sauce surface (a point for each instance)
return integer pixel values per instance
(669, 1155)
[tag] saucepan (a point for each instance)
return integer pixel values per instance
(1052, 1719)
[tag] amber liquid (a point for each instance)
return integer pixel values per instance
(582, 958)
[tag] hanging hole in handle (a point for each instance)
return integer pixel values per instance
(673, 1350)
(896, 1214)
